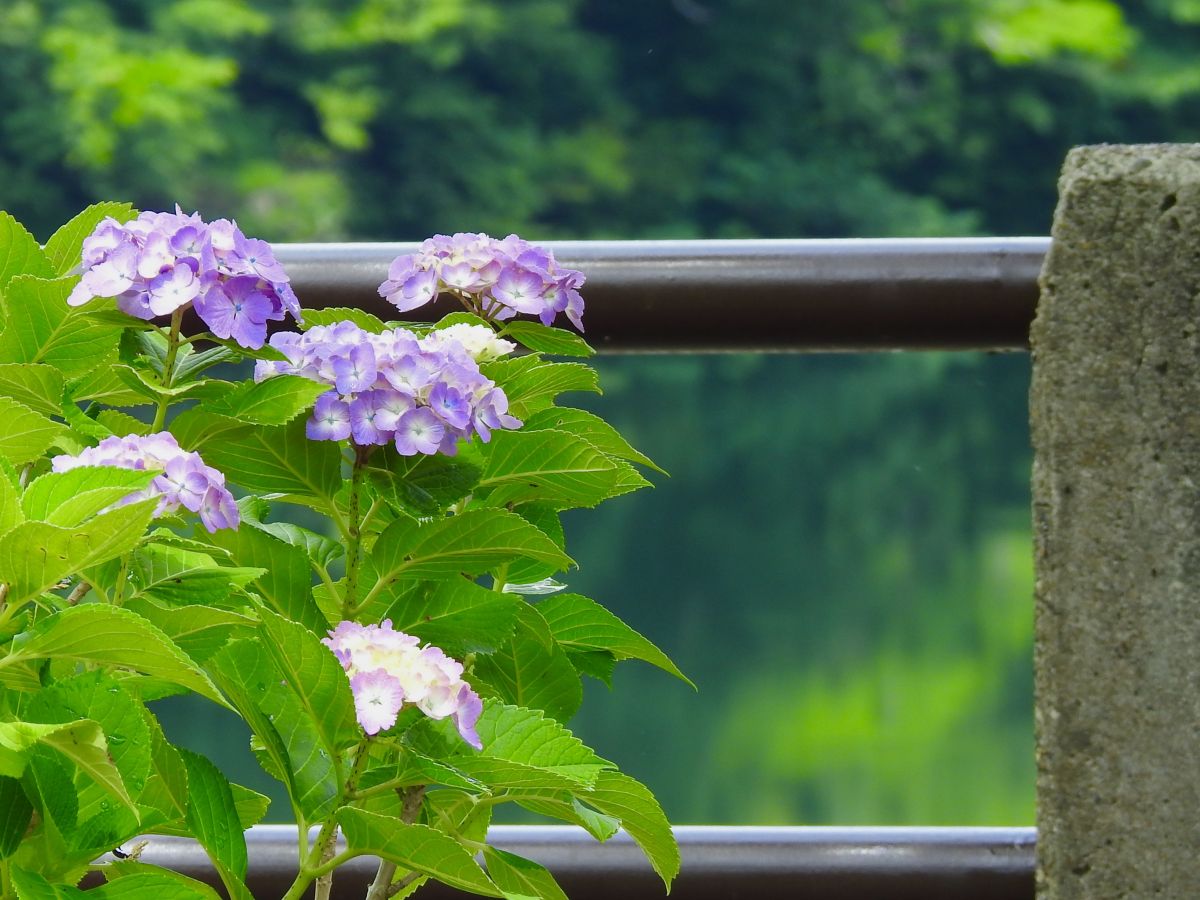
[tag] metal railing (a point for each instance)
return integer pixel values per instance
(756, 296)
(718, 863)
(725, 296)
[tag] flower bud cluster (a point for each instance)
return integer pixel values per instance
(498, 277)
(184, 480)
(389, 668)
(161, 262)
(422, 394)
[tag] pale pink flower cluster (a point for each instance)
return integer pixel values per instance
(389, 668)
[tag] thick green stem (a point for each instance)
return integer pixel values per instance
(354, 531)
(168, 375)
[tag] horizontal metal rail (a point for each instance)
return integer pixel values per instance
(718, 862)
(759, 296)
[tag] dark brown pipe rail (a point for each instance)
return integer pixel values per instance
(754, 296)
(719, 863)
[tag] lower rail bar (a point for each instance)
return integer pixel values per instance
(718, 863)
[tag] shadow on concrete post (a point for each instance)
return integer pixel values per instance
(1115, 414)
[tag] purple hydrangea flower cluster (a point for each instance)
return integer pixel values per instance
(497, 278)
(422, 394)
(185, 480)
(161, 262)
(388, 668)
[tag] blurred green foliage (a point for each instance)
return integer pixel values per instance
(841, 558)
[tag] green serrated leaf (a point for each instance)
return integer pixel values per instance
(582, 624)
(122, 424)
(26, 434)
(275, 401)
(36, 385)
(472, 542)
(562, 805)
(534, 388)
(457, 615)
(69, 498)
(285, 581)
(10, 505)
(100, 697)
(64, 250)
(279, 460)
(526, 672)
(598, 664)
(144, 382)
(422, 485)
(35, 556)
(333, 315)
(617, 794)
(416, 847)
(528, 739)
(32, 886)
(321, 550)
(15, 813)
(132, 880)
(19, 253)
(195, 363)
(553, 466)
(43, 329)
(251, 805)
(316, 678)
(516, 875)
(109, 635)
(546, 519)
(198, 630)
(81, 741)
(591, 428)
(178, 575)
(545, 339)
(104, 386)
(212, 819)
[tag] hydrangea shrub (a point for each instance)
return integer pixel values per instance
(405, 666)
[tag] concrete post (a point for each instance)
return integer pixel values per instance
(1115, 411)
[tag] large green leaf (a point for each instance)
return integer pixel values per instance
(177, 575)
(15, 813)
(552, 465)
(275, 401)
(333, 315)
(582, 624)
(422, 485)
(104, 385)
(132, 880)
(10, 500)
(19, 253)
(36, 385)
(109, 635)
(35, 556)
(285, 581)
(286, 741)
(416, 847)
(198, 630)
(532, 388)
(547, 520)
(68, 498)
(563, 805)
(316, 678)
(32, 886)
(517, 875)
(26, 434)
(64, 250)
(279, 460)
(213, 821)
(629, 800)
(321, 550)
(99, 697)
(591, 428)
(528, 672)
(43, 329)
(81, 741)
(556, 341)
(457, 615)
(472, 542)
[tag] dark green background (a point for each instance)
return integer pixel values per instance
(841, 558)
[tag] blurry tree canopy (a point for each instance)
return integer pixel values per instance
(393, 119)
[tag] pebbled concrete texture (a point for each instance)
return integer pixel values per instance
(1116, 511)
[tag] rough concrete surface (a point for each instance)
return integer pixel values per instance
(1116, 506)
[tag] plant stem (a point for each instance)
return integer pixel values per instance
(354, 546)
(168, 375)
(78, 593)
(23, 478)
(381, 888)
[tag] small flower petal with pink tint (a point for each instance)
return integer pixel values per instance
(378, 697)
